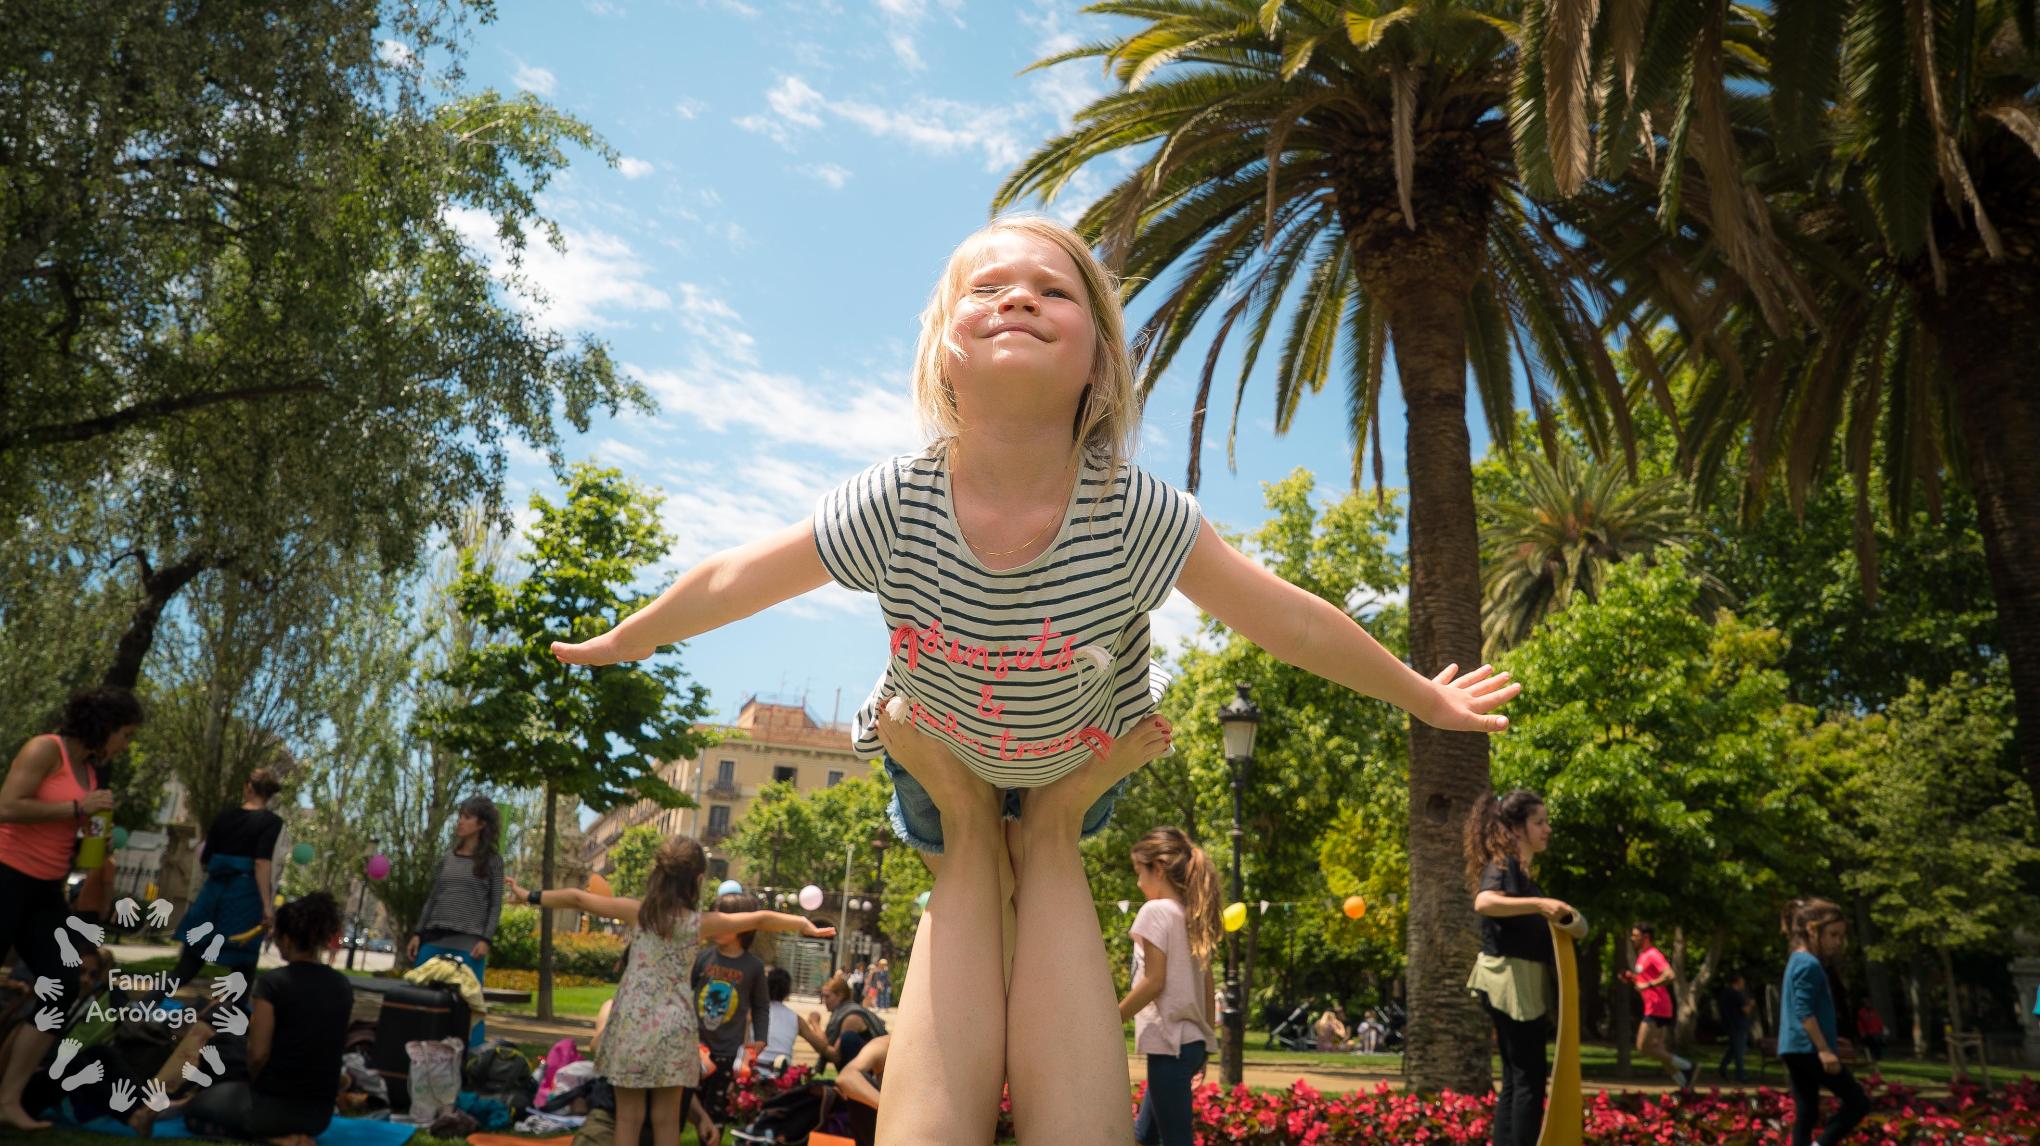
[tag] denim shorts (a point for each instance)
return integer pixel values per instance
(918, 824)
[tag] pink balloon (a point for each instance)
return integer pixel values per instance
(378, 866)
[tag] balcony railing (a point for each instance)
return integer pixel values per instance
(725, 790)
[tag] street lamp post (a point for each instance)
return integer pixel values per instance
(879, 843)
(778, 838)
(1237, 721)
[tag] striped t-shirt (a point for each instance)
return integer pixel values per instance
(1022, 671)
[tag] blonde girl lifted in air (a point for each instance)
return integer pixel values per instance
(1015, 559)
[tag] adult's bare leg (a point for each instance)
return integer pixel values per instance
(949, 1038)
(1065, 1045)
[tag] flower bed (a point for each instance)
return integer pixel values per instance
(1900, 1116)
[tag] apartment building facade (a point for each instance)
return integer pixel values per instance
(768, 742)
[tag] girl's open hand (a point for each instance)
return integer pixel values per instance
(606, 649)
(1464, 703)
(517, 894)
(810, 931)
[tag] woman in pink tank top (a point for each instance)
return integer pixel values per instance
(50, 788)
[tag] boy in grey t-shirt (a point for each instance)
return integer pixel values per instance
(729, 998)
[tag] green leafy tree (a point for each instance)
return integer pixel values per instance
(1360, 167)
(632, 856)
(1663, 746)
(808, 839)
(1858, 284)
(526, 720)
(1941, 840)
(1321, 749)
(1575, 521)
(235, 267)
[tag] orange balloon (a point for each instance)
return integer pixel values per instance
(599, 885)
(1355, 907)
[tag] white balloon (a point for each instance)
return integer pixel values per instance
(1123, 905)
(810, 897)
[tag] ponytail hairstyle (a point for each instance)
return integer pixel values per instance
(734, 903)
(674, 886)
(309, 922)
(1812, 914)
(264, 783)
(484, 809)
(1493, 828)
(1189, 872)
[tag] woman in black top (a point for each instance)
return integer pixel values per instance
(235, 905)
(295, 1036)
(1513, 976)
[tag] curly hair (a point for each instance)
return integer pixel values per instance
(91, 716)
(309, 922)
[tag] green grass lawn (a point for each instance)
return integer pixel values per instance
(579, 1002)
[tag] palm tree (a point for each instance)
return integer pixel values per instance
(1574, 520)
(1355, 164)
(1888, 155)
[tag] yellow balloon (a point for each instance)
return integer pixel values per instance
(1234, 916)
(1355, 907)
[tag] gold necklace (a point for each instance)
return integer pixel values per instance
(1053, 518)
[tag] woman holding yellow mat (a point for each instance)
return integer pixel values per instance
(1513, 978)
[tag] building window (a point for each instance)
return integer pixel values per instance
(726, 772)
(835, 778)
(719, 869)
(786, 772)
(719, 817)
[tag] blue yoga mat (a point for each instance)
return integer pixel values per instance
(343, 1131)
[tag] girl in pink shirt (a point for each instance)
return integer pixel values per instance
(1171, 997)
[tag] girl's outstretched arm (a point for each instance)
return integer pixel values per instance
(729, 586)
(719, 923)
(1305, 630)
(618, 907)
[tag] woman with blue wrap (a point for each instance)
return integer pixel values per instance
(235, 906)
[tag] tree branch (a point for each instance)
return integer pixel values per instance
(86, 430)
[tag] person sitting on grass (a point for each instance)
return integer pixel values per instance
(859, 1081)
(295, 1037)
(848, 1026)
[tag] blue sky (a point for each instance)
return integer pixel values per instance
(792, 178)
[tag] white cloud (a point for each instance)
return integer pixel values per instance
(633, 168)
(603, 7)
(828, 173)
(939, 125)
(689, 108)
(597, 273)
(395, 52)
(909, 56)
(622, 453)
(534, 79)
(1175, 622)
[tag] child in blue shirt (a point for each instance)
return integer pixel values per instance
(1807, 1037)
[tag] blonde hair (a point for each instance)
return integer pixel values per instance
(1108, 416)
(1189, 871)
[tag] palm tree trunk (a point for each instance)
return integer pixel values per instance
(1987, 325)
(1425, 289)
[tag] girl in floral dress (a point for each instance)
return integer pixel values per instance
(650, 1049)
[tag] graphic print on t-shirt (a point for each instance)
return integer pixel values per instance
(716, 1002)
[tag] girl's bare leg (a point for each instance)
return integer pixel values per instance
(665, 1117)
(949, 1040)
(1065, 1046)
(630, 1114)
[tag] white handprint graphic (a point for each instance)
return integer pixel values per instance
(65, 951)
(127, 912)
(211, 1055)
(66, 1051)
(193, 1074)
(92, 1073)
(231, 1021)
(231, 988)
(48, 1019)
(155, 1096)
(47, 989)
(91, 932)
(123, 1096)
(212, 953)
(197, 935)
(159, 912)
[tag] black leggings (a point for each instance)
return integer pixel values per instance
(32, 911)
(1807, 1079)
(238, 1110)
(1519, 1108)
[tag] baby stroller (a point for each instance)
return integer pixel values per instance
(1291, 1031)
(1392, 1018)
